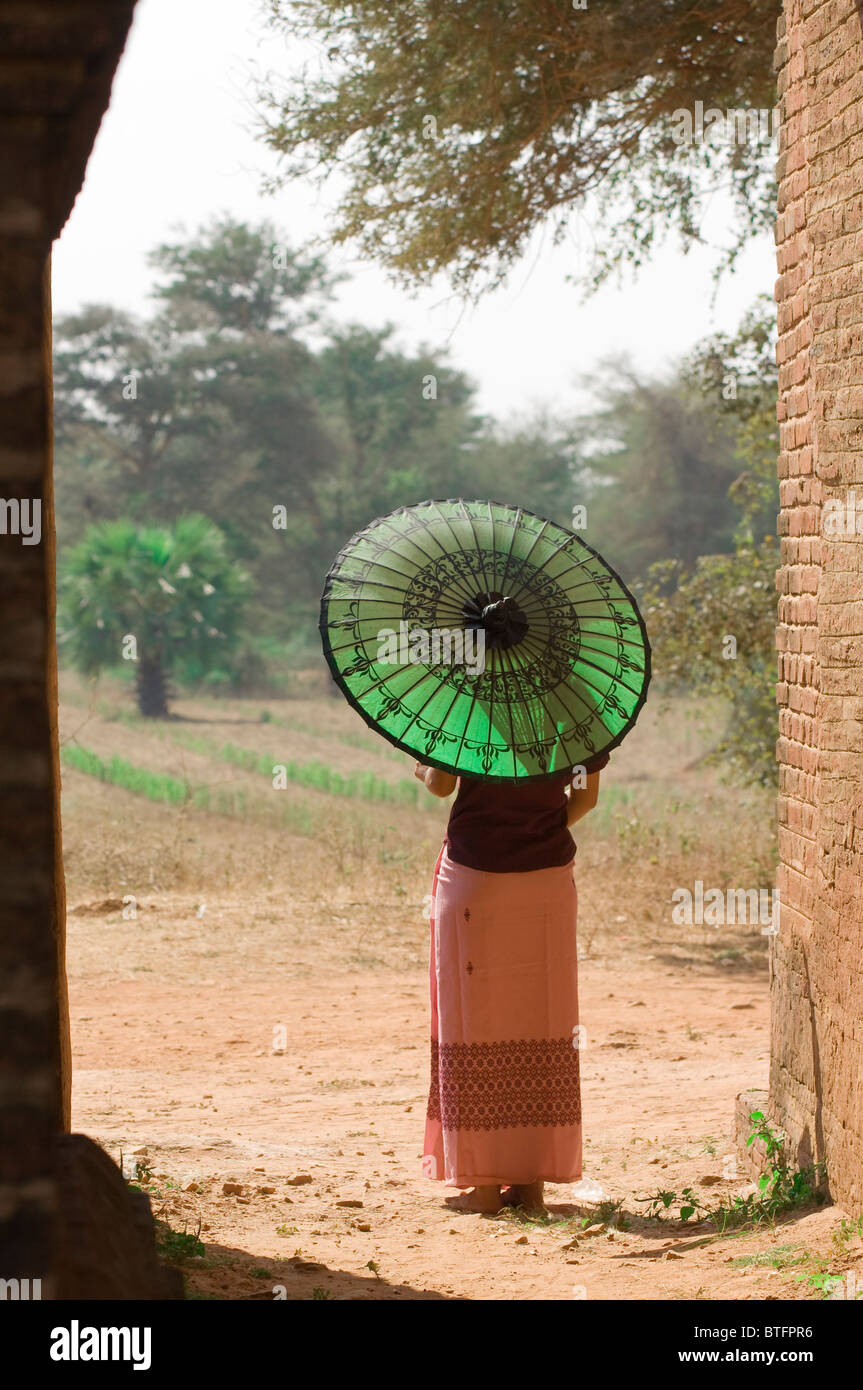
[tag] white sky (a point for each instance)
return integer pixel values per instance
(177, 147)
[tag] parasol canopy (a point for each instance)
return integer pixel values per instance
(485, 640)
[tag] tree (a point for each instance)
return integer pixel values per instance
(400, 420)
(532, 461)
(713, 629)
(291, 443)
(168, 399)
(205, 406)
(460, 126)
(656, 461)
(234, 279)
(216, 405)
(153, 595)
(738, 374)
(713, 623)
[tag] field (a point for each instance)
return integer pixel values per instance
(248, 969)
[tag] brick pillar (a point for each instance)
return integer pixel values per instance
(33, 1018)
(817, 957)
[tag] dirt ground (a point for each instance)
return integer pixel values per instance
(255, 1017)
(302, 1088)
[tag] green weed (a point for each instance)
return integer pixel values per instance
(780, 1189)
(176, 1246)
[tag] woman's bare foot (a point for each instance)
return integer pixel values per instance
(524, 1194)
(481, 1199)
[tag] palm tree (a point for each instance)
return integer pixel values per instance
(150, 594)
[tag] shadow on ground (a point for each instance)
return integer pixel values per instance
(227, 1273)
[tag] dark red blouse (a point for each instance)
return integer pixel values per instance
(514, 827)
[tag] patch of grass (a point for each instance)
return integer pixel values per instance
(523, 1216)
(318, 776)
(159, 786)
(783, 1257)
(156, 786)
(847, 1231)
(825, 1282)
(827, 1285)
(175, 1247)
(608, 1213)
(613, 1215)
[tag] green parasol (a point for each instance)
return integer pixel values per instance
(485, 640)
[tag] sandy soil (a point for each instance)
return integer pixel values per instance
(175, 1021)
(302, 1162)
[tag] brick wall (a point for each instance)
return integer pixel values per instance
(56, 66)
(816, 1077)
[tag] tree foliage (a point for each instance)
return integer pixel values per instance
(237, 398)
(457, 127)
(692, 611)
(713, 628)
(248, 400)
(738, 372)
(656, 462)
(173, 593)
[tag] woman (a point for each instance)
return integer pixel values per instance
(504, 1108)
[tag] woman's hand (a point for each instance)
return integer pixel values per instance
(582, 799)
(438, 782)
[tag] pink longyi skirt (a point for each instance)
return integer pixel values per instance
(504, 1101)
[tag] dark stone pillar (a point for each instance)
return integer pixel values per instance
(34, 1041)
